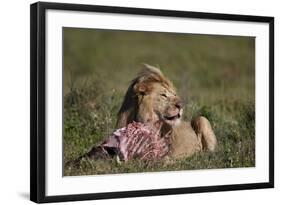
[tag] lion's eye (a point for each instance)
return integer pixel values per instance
(164, 95)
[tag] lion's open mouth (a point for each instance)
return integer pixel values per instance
(171, 118)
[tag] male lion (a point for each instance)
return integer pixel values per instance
(151, 98)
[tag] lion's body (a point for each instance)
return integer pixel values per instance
(184, 141)
(150, 98)
(190, 137)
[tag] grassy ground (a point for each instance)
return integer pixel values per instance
(215, 76)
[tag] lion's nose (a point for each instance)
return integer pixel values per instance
(179, 105)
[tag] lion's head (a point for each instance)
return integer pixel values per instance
(150, 98)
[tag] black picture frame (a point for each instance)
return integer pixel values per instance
(38, 101)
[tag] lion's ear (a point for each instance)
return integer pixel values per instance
(141, 88)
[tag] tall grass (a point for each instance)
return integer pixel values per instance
(213, 74)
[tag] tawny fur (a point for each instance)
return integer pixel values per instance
(150, 98)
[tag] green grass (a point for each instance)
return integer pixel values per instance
(215, 75)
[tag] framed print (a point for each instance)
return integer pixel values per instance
(129, 102)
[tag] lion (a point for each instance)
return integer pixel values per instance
(151, 97)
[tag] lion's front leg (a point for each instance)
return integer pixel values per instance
(204, 131)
